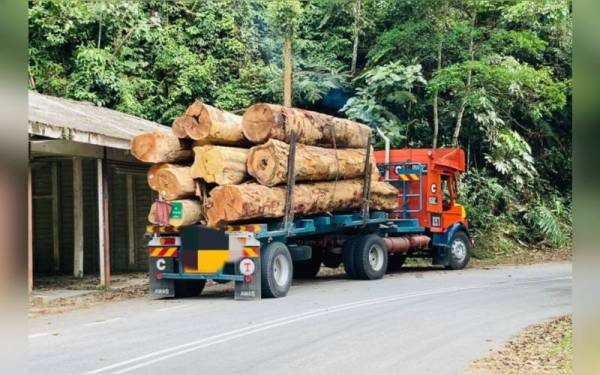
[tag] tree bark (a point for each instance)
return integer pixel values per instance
(268, 163)
(209, 125)
(263, 121)
(287, 71)
(436, 117)
(182, 212)
(219, 164)
(159, 147)
(463, 104)
(253, 201)
(174, 182)
(357, 16)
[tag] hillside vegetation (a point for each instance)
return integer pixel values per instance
(491, 76)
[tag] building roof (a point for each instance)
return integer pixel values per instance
(60, 118)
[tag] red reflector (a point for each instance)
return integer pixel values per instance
(159, 276)
(167, 241)
(247, 278)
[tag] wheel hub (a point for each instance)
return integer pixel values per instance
(459, 250)
(281, 270)
(376, 257)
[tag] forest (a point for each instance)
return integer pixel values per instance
(491, 76)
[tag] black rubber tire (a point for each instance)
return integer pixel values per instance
(332, 260)
(395, 262)
(362, 267)
(308, 269)
(455, 263)
(348, 257)
(270, 288)
(189, 288)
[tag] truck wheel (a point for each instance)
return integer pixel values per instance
(459, 251)
(188, 288)
(370, 257)
(395, 262)
(276, 270)
(309, 268)
(348, 257)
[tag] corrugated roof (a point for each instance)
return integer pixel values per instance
(62, 118)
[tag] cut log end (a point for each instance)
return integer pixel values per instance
(257, 122)
(178, 127)
(224, 206)
(263, 165)
(143, 146)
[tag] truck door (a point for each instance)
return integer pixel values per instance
(434, 202)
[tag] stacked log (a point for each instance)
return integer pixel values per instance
(210, 147)
(251, 201)
(220, 164)
(268, 163)
(262, 122)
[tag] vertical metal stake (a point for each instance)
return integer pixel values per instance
(291, 182)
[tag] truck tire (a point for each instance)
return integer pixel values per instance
(308, 269)
(370, 257)
(348, 257)
(188, 288)
(276, 270)
(459, 252)
(395, 262)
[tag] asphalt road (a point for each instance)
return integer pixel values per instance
(417, 321)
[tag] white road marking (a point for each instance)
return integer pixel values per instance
(231, 335)
(102, 322)
(172, 308)
(36, 335)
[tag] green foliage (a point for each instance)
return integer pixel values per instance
(284, 15)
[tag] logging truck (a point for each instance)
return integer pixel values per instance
(263, 256)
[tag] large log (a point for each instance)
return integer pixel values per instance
(159, 147)
(263, 121)
(210, 125)
(252, 201)
(220, 164)
(178, 127)
(151, 176)
(181, 212)
(268, 163)
(174, 182)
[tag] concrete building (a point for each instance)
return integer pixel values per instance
(89, 197)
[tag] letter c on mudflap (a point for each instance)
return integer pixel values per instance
(161, 264)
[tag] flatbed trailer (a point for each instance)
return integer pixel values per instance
(261, 258)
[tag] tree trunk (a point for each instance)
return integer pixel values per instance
(174, 182)
(178, 127)
(219, 164)
(436, 117)
(463, 104)
(181, 212)
(159, 147)
(208, 124)
(263, 121)
(151, 176)
(253, 201)
(357, 16)
(287, 71)
(268, 163)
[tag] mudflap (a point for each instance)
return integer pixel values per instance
(159, 287)
(440, 256)
(249, 288)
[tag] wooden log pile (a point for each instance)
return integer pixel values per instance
(218, 168)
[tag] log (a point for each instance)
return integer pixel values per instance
(252, 201)
(268, 163)
(151, 176)
(159, 147)
(175, 182)
(210, 125)
(263, 121)
(178, 127)
(220, 164)
(182, 212)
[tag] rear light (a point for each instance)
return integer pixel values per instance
(167, 241)
(247, 278)
(159, 276)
